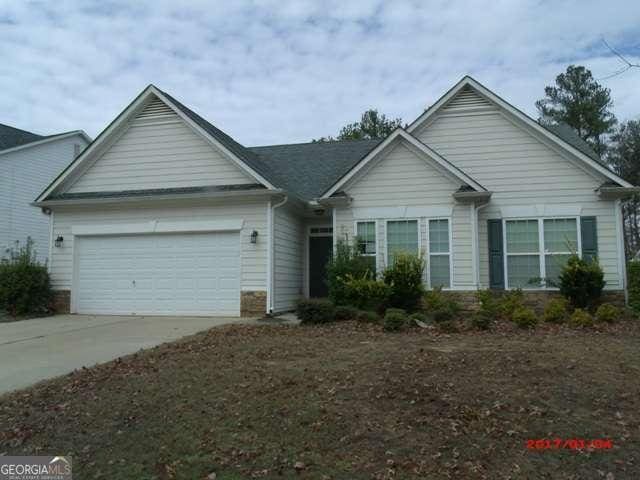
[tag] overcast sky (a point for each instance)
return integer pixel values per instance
(279, 72)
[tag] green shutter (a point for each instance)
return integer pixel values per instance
(589, 237)
(496, 255)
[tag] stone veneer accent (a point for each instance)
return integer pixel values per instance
(61, 301)
(253, 304)
(533, 299)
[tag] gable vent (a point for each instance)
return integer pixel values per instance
(466, 99)
(156, 109)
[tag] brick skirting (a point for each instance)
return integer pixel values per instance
(535, 300)
(253, 304)
(61, 301)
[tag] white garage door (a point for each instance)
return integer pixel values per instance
(163, 274)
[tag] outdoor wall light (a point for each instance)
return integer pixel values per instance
(254, 236)
(59, 241)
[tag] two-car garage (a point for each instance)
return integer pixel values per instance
(158, 274)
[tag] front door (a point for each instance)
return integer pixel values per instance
(319, 254)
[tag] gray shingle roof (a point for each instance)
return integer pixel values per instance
(310, 169)
(306, 170)
(156, 191)
(570, 136)
(14, 137)
(243, 153)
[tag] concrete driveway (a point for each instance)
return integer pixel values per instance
(33, 350)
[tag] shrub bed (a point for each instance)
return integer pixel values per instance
(315, 311)
(581, 318)
(25, 287)
(524, 317)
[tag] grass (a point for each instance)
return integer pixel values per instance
(343, 401)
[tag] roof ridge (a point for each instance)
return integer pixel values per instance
(318, 142)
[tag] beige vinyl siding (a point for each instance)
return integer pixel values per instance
(289, 242)
(521, 170)
(403, 179)
(159, 150)
(253, 212)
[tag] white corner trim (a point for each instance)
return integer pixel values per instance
(541, 210)
(622, 267)
(158, 226)
(271, 248)
(366, 213)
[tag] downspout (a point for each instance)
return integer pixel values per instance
(271, 252)
(475, 231)
(622, 259)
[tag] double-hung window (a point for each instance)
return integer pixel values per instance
(366, 242)
(402, 237)
(439, 254)
(537, 249)
(560, 241)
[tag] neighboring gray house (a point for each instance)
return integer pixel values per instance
(165, 214)
(28, 163)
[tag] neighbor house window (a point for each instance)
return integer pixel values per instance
(402, 237)
(366, 242)
(439, 254)
(527, 263)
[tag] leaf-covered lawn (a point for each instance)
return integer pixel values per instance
(343, 401)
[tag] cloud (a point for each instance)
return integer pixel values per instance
(279, 71)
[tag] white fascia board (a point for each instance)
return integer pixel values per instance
(203, 133)
(156, 197)
(400, 133)
(516, 113)
(159, 226)
(53, 138)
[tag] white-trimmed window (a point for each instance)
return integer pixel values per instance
(537, 249)
(560, 241)
(366, 242)
(403, 236)
(439, 254)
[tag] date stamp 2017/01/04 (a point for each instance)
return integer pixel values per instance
(569, 444)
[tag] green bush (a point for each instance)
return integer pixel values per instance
(395, 320)
(420, 317)
(633, 280)
(481, 320)
(439, 306)
(510, 302)
(367, 316)
(315, 311)
(404, 277)
(607, 313)
(448, 326)
(556, 310)
(344, 264)
(581, 281)
(524, 317)
(346, 312)
(489, 303)
(581, 318)
(25, 288)
(365, 292)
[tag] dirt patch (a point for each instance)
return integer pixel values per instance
(344, 401)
